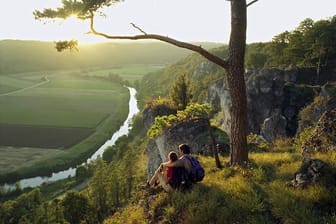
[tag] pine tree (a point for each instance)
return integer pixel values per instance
(180, 92)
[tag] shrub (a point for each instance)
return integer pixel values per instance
(302, 137)
(283, 145)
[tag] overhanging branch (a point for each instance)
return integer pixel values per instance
(211, 57)
(138, 28)
(249, 4)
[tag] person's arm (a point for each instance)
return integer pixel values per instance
(177, 163)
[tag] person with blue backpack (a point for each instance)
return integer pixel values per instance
(193, 168)
(186, 170)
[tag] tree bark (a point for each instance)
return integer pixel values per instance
(213, 144)
(236, 83)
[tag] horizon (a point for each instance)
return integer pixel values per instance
(155, 16)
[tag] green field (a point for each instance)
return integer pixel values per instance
(10, 83)
(129, 73)
(65, 101)
(24, 155)
(60, 122)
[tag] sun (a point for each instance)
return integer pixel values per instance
(74, 28)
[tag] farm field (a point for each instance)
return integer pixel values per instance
(129, 73)
(12, 156)
(58, 122)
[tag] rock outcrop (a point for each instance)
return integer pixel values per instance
(323, 138)
(311, 171)
(273, 98)
(193, 133)
(309, 115)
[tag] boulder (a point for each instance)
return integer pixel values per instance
(274, 127)
(310, 172)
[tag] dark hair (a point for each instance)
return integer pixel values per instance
(172, 156)
(184, 148)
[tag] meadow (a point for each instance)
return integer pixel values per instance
(60, 122)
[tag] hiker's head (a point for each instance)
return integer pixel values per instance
(172, 156)
(184, 148)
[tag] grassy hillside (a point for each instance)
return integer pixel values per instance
(262, 193)
(197, 69)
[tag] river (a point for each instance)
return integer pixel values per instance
(123, 130)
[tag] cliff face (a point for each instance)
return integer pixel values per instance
(273, 98)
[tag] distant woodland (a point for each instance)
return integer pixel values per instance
(27, 56)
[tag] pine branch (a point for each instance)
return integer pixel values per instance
(211, 57)
(249, 4)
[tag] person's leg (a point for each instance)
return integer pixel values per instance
(162, 180)
(154, 178)
(164, 183)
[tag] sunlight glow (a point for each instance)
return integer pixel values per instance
(72, 17)
(74, 28)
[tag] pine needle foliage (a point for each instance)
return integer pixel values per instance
(192, 111)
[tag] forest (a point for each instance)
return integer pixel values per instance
(262, 192)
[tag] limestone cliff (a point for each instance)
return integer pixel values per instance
(274, 100)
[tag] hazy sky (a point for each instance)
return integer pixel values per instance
(187, 20)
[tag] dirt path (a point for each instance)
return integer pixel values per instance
(26, 88)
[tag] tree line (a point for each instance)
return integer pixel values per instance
(311, 44)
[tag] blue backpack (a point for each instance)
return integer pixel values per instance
(197, 171)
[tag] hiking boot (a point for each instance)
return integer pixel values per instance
(146, 186)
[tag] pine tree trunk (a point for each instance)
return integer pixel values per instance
(236, 82)
(213, 145)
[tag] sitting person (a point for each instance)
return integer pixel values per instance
(182, 168)
(183, 161)
(165, 175)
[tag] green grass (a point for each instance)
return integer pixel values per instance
(10, 83)
(60, 108)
